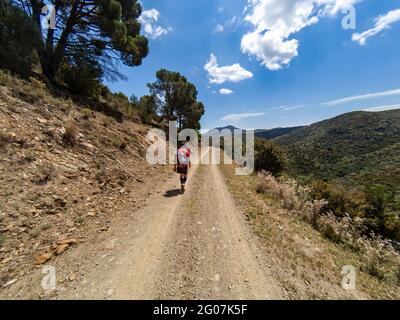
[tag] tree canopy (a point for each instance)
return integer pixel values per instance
(95, 33)
(176, 99)
(18, 38)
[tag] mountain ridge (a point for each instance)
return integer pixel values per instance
(348, 148)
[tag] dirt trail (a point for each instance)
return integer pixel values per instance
(187, 246)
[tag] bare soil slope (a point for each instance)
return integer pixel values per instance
(66, 174)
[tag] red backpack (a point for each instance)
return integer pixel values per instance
(183, 156)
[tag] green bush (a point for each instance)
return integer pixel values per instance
(375, 205)
(83, 79)
(87, 113)
(147, 109)
(269, 157)
(18, 36)
(340, 201)
(383, 212)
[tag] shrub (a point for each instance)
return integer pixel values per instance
(101, 174)
(44, 173)
(87, 113)
(268, 157)
(83, 79)
(120, 102)
(382, 213)
(398, 275)
(2, 238)
(29, 157)
(391, 225)
(375, 205)
(381, 259)
(147, 109)
(339, 200)
(4, 139)
(18, 37)
(118, 142)
(108, 121)
(292, 196)
(70, 136)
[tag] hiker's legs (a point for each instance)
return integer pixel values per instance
(183, 182)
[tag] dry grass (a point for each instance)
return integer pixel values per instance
(108, 122)
(306, 262)
(87, 114)
(4, 139)
(2, 238)
(45, 172)
(33, 91)
(70, 135)
(381, 258)
(118, 142)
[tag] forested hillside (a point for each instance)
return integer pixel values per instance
(358, 148)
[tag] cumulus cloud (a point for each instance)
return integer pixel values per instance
(226, 92)
(148, 20)
(275, 21)
(366, 96)
(382, 22)
(219, 75)
(233, 118)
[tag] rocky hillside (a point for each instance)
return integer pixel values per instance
(354, 148)
(65, 173)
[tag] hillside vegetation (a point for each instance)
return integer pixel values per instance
(274, 133)
(356, 149)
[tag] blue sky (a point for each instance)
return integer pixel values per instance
(284, 68)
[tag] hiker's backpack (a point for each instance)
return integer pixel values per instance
(183, 156)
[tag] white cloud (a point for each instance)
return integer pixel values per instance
(367, 96)
(275, 21)
(227, 92)
(219, 75)
(300, 106)
(233, 118)
(220, 10)
(148, 20)
(383, 108)
(277, 108)
(218, 28)
(382, 22)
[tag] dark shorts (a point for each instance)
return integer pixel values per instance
(182, 169)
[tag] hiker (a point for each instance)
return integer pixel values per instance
(183, 163)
